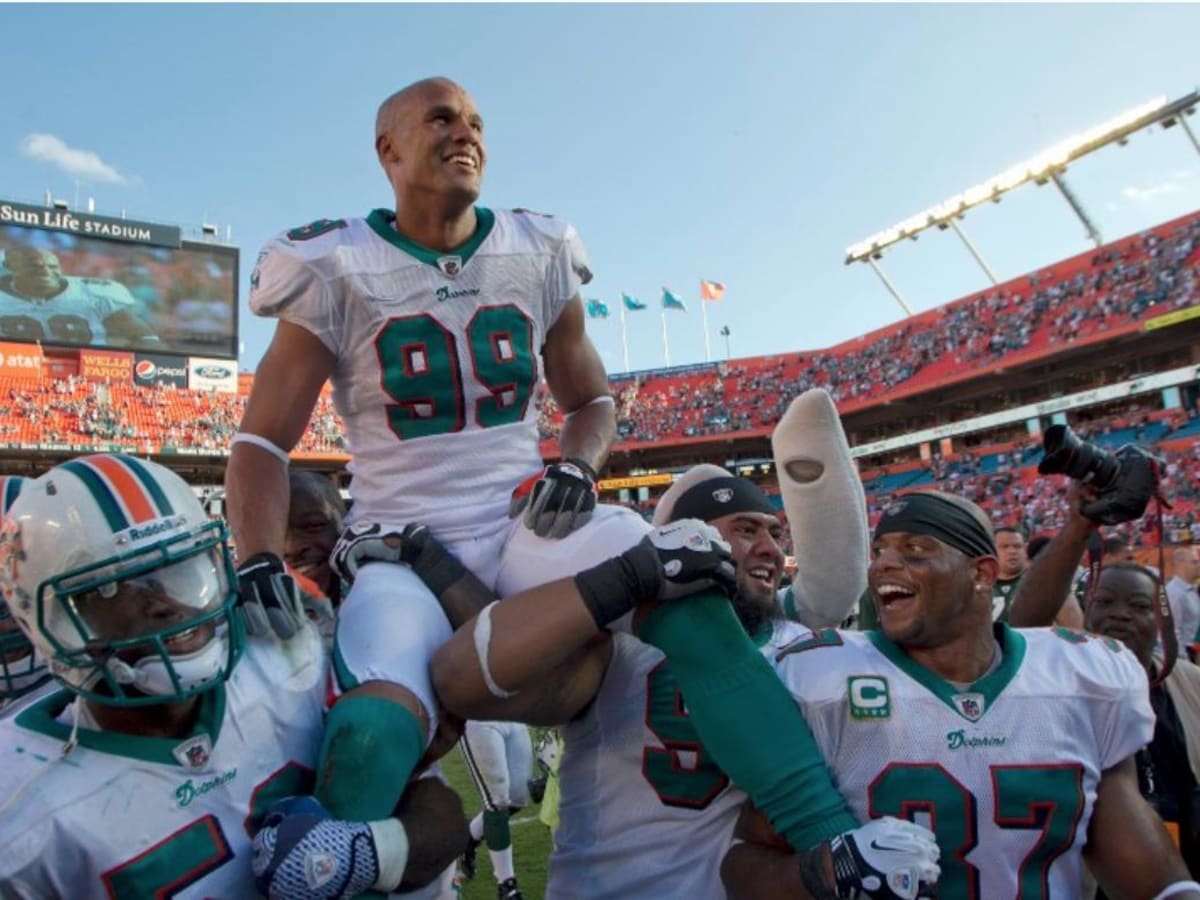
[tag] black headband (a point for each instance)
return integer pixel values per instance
(923, 513)
(718, 497)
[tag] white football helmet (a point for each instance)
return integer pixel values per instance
(126, 589)
(21, 670)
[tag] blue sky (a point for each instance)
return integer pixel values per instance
(745, 144)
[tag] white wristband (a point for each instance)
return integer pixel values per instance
(245, 437)
(483, 638)
(1179, 887)
(391, 852)
(603, 398)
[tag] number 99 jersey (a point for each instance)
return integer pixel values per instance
(437, 355)
(1004, 771)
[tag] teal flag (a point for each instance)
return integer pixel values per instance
(633, 304)
(597, 309)
(672, 301)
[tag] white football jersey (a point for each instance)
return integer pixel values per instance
(437, 355)
(75, 315)
(1004, 772)
(644, 812)
(134, 817)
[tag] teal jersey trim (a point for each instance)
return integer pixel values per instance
(788, 603)
(341, 672)
(1012, 646)
(382, 223)
(42, 717)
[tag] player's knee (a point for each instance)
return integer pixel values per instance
(450, 685)
(391, 692)
(530, 560)
(437, 831)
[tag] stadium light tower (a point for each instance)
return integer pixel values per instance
(1047, 166)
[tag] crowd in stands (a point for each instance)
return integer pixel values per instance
(1113, 290)
(1003, 479)
(1001, 476)
(86, 413)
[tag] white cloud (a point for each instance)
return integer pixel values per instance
(1140, 194)
(82, 164)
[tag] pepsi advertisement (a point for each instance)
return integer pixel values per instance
(150, 369)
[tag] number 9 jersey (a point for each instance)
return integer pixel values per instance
(437, 354)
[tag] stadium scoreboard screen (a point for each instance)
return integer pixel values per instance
(81, 280)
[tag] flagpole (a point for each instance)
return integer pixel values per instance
(704, 312)
(666, 346)
(624, 335)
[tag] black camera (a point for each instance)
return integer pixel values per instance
(1125, 480)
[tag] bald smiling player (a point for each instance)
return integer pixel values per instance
(434, 320)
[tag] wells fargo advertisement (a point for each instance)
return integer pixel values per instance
(106, 365)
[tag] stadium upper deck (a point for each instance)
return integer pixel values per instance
(1128, 307)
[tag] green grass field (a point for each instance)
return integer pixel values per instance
(531, 840)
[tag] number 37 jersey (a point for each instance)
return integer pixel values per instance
(1004, 772)
(437, 354)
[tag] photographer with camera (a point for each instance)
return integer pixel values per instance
(1106, 489)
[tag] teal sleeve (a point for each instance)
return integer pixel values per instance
(747, 720)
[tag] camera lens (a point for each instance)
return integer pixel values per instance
(1067, 454)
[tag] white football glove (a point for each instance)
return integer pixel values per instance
(362, 543)
(886, 858)
(302, 853)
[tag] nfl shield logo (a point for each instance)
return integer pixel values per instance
(319, 868)
(970, 705)
(723, 495)
(194, 752)
(450, 265)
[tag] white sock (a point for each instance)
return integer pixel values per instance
(476, 827)
(502, 864)
(391, 850)
(826, 509)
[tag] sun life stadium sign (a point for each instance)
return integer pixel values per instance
(88, 224)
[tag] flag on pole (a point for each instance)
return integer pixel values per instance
(672, 301)
(633, 304)
(711, 290)
(597, 309)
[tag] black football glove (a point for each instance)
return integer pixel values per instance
(361, 544)
(269, 597)
(693, 555)
(669, 562)
(886, 858)
(558, 501)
